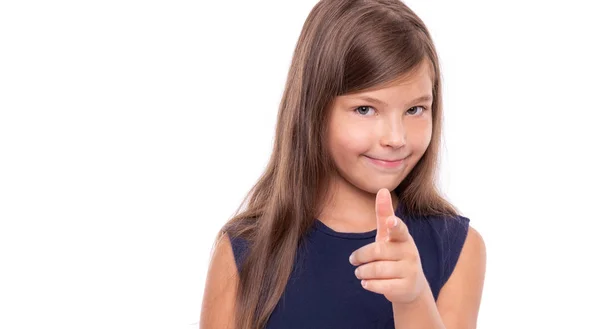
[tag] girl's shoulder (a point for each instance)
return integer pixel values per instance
(440, 239)
(239, 246)
(239, 231)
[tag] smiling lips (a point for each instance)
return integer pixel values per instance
(386, 163)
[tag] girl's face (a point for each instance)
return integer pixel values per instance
(394, 124)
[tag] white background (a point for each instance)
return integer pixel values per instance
(130, 131)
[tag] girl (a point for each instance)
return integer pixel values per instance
(322, 242)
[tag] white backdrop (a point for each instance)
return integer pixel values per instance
(131, 130)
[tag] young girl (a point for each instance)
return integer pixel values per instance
(346, 228)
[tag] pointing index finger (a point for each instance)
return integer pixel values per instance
(383, 210)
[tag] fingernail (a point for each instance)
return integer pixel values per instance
(351, 258)
(395, 221)
(363, 283)
(356, 272)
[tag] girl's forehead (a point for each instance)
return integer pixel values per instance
(422, 74)
(408, 89)
(421, 77)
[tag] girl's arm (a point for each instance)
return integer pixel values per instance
(459, 299)
(218, 304)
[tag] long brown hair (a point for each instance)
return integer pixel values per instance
(345, 46)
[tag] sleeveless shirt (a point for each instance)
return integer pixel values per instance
(323, 291)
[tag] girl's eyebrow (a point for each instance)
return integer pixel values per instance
(424, 98)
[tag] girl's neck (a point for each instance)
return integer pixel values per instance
(350, 209)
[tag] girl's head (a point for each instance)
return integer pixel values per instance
(328, 128)
(328, 131)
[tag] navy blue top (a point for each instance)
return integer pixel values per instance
(323, 291)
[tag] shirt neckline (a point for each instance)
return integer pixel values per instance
(320, 226)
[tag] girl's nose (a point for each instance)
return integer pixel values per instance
(394, 135)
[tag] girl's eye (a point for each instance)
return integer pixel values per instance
(414, 107)
(363, 110)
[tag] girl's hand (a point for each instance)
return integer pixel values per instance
(391, 265)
